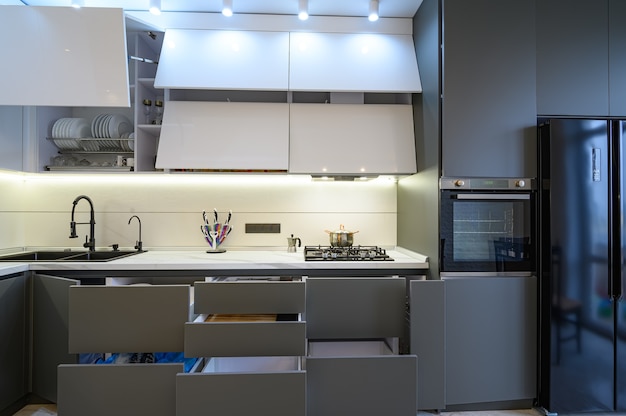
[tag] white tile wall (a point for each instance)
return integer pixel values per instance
(35, 210)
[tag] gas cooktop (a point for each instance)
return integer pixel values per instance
(352, 253)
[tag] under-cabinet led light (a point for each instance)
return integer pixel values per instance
(77, 4)
(373, 16)
(303, 9)
(227, 8)
(155, 7)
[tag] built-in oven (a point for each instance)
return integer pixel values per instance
(487, 227)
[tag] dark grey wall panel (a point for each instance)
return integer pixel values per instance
(572, 57)
(489, 102)
(13, 363)
(428, 322)
(617, 58)
(418, 195)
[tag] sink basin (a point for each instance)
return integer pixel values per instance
(100, 255)
(48, 255)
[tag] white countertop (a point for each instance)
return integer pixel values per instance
(230, 260)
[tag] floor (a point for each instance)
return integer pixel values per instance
(38, 410)
(48, 410)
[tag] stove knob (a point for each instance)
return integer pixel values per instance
(521, 183)
(459, 183)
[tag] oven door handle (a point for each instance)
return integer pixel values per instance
(491, 196)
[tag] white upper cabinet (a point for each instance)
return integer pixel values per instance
(224, 136)
(351, 139)
(280, 61)
(353, 62)
(220, 59)
(61, 56)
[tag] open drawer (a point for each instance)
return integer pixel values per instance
(360, 378)
(120, 389)
(253, 338)
(247, 318)
(127, 318)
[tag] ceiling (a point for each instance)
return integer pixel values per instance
(346, 8)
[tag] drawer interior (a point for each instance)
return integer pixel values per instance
(251, 364)
(349, 348)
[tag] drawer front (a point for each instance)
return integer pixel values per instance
(127, 318)
(242, 339)
(121, 390)
(338, 308)
(249, 297)
(242, 394)
(385, 385)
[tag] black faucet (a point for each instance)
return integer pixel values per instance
(91, 243)
(139, 244)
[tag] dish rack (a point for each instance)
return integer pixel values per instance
(94, 145)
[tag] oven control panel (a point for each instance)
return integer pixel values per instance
(522, 184)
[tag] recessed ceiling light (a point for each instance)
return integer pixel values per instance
(155, 7)
(303, 9)
(373, 16)
(227, 8)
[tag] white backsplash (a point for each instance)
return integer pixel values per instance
(35, 210)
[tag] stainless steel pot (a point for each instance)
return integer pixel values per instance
(341, 237)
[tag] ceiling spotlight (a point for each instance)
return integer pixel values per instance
(373, 16)
(77, 4)
(303, 9)
(155, 7)
(227, 8)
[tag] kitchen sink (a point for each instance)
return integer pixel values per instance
(63, 256)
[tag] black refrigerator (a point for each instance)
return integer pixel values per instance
(582, 251)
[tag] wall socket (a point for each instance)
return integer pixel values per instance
(262, 228)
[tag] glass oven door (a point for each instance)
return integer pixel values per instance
(487, 233)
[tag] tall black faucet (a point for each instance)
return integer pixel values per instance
(138, 244)
(91, 243)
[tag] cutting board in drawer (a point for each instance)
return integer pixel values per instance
(249, 297)
(241, 394)
(120, 390)
(242, 339)
(127, 318)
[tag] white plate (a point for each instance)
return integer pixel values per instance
(119, 125)
(79, 128)
(94, 125)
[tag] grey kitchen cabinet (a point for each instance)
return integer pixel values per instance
(50, 332)
(573, 57)
(428, 341)
(252, 358)
(581, 58)
(488, 88)
(11, 137)
(617, 58)
(13, 348)
(353, 365)
(491, 341)
(123, 319)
